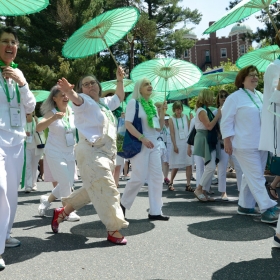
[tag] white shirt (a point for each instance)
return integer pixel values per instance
(270, 94)
(241, 119)
(129, 116)
(12, 136)
(89, 119)
(198, 124)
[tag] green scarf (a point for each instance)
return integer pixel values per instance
(149, 109)
(13, 65)
(117, 113)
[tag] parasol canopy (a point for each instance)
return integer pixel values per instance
(218, 78)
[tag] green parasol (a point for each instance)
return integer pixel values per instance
(218, 78)
(186, 109)
(242, 10)
(259, 58)
(100, 33)
(40, 95)
(127, 84)
(185, 93)
(21, 7)
(167, 74)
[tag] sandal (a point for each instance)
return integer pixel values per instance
(170, 187)
(201, 197)
(273, 195)
(189, 188)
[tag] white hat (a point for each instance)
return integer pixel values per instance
(166, 117)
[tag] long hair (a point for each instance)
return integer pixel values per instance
(136, 91)
(79, 88)
(222, 91)
(49, 103)
(205, 97)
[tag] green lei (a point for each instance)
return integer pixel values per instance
(13, 65)
(149, 109)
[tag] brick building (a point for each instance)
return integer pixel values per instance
(210, 52)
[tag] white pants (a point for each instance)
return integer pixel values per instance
(11, 163)
(62, 167)
(145, 165)
(252, 162)
(222, 171)
(31, 168)
(205, 172)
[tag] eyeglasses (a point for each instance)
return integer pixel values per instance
(223, 95)
(87, 84)
(7, 42)
(253, 75)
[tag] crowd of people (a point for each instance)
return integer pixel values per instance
(218, 137)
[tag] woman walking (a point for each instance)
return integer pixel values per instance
(146, 163)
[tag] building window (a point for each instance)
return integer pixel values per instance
(207, 56)
(223, 52)
(242, 49)
(186, 53)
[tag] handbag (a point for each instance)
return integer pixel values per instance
(191, 136)
(40, 139)
(275, 160)
(131, 145)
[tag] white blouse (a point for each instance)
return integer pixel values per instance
(89, 119)
(12, 136)
(241, 119)
(129, 117)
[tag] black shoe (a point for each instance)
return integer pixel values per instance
(123, 209)
(158, 217)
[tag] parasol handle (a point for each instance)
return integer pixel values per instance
(272, 21)
(110, 52)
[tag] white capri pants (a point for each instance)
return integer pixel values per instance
(146, 164)
(252, 162)
(31, 168)
(62, 167)
(204, 173)
(11, 163)
(222, 171)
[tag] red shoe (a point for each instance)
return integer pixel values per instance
(57, 213)
(116, 240)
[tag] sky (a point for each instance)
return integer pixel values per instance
(213, 10)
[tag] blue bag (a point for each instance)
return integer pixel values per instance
(131, 145)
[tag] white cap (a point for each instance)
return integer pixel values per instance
(166, 117)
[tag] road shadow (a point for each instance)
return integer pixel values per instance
(235, 228)
(261, 269)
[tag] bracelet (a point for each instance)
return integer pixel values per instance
(119, 81)
(141, 137)
(22, 86)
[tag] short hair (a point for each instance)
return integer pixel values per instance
(10, 30)
(218, 95)
(79, 88)
(177, 105)
(205, 97)
(243, 73)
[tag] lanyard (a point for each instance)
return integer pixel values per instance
(6, 90)
(107, 112)
(253, 99)
(182, 123)
(65, 119)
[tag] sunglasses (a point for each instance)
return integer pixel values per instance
(223, 95)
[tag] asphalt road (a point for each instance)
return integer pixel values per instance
(200, 241)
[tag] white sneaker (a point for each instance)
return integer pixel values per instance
(34, 188)
(2, 263)
(73, 217)
(44, 206)
(12, 242)
(28, 189)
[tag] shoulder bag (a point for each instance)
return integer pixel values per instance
(131, 145)
(275, 160)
